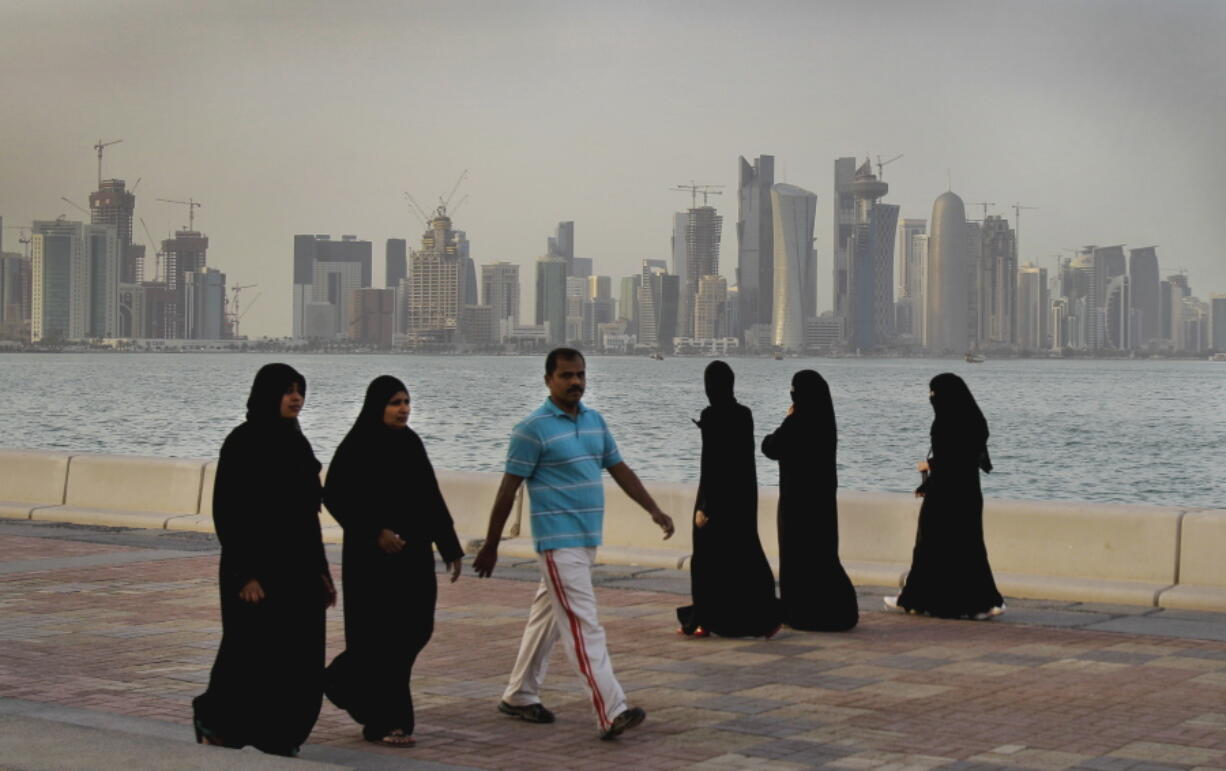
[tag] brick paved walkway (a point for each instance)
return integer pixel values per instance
(137, 639)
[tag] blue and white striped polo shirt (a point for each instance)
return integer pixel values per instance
(563, 458)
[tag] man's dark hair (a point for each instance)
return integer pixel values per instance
(551, 361)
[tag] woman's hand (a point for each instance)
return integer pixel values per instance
(390, 542)
(329, 590)
(700, 519)
(454, 566)
(922, 466)
(251, 592)
(791, 410)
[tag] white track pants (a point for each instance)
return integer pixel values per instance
(565, 607)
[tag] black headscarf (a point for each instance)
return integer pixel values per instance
(271, 383)
(811, 395)
(958, 421)
(719, 379)
(378, 394)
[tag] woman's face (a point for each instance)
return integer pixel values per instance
(291, 402)
(396, 413)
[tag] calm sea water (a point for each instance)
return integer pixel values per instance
(1110, 431)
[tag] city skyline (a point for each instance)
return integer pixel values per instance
(1110, 146)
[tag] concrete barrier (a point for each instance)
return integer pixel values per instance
(1145, 555)
(1202, 563)
(127, 491)
(31, 479)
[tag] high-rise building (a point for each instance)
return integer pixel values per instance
(551, 297)
(371, 315)
(996, 291)
(1118, 314)
(562, 245)
(60, 291)
(947, 324)
(185, 253)
(910, 260)
(581, 267)
(919, 317)
(14, 288)
(1108, 262)
(755, 260)
(1032, 308)
(348, 266)
(794, 212)
(112, 204)
(695, 247)
(102, 253)
(204, 295)
(500, 290)
(844, 226)
(396, 262)
(658, 295)
(709, 305)
(1217, 322)
(628, 301)
(438, 284)
(869, 306)
(1146, 294)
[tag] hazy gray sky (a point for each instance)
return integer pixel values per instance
(298, 116)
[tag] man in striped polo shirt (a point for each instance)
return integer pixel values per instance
(561, 450)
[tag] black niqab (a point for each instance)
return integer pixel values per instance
(730, 579)
(813, 586)
(950, 575)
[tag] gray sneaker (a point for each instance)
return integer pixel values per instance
(629, 718)
(533, 713)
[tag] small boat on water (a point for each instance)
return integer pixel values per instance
(974, 358)
(657, 356)
(1218, 357)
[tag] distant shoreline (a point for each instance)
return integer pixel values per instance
(266, 349)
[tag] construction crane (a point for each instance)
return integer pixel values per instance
(985, 205)
(191, 205)
(75, 205)
(157, 255)
(418, 211)
(234, 314)
(99, 147)
(1017, 227)
(458, 205)
(882, 164)
(694, 190)
(23, 237)
(455, 187)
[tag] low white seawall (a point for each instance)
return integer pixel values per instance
(1143, 555)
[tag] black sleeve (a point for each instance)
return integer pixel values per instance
(240, 517)
(778, 445)
(348, 494)
(438, 520)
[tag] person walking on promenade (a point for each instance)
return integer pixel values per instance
(266, 686)
(382, 490)
(731, 581)
(814, 589)
(561, 449)
(950, 576)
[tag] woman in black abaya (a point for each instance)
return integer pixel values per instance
(950, 576)
(382, 490)
(732, 584)
(815, 591)
(266, 686)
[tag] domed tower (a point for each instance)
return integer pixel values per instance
(947, 325)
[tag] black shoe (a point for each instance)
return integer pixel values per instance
(533, 713)
(629, 718)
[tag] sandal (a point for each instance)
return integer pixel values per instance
(395, 738)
